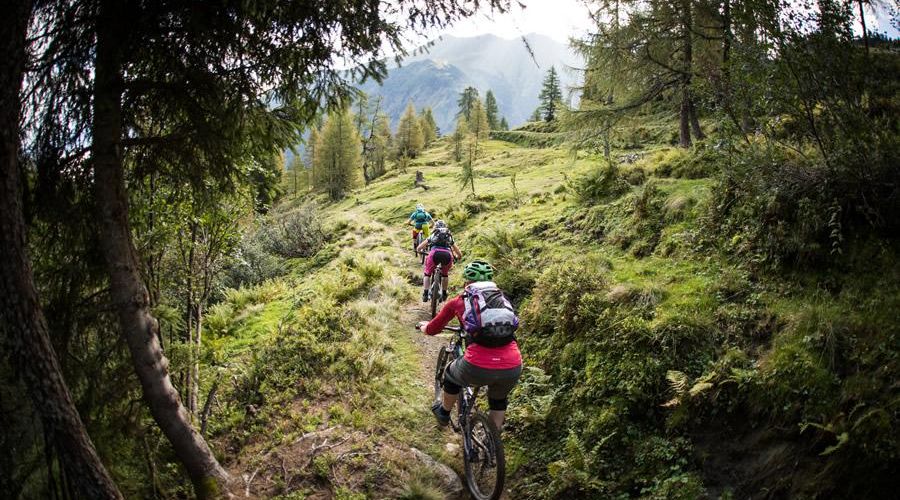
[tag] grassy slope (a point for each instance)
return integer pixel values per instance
(694, 311)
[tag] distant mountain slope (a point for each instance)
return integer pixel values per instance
(435, 78)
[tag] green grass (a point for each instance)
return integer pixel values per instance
(614, 297)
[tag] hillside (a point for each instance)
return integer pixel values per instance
(436, 76)
(657, 366)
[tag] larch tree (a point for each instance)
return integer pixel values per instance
(132, 89)
(490, 108)
(380, 146)
(503, 124)
(458, 140)
(478, 131)
(429, 127)
(410, 140)
(339, 156)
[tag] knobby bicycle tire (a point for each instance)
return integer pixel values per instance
(442, 361)
(435, 289)
(491, 446)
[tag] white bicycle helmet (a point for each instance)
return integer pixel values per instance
(440, 224)
(420, 207)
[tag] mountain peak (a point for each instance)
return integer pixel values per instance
(435, 74)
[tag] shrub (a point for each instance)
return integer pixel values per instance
(699, 162)
(600, 185)
(590, 412)
(509, 251)
(297, 233)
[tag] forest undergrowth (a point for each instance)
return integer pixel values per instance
(658, 365)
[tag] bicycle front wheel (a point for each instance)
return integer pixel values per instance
(484, 462)
(442, 362)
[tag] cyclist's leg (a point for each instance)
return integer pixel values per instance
(428, 271)
(453, 383)
(499, 387)
(445, 276)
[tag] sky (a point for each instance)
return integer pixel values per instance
(561, 19)
(558, 19)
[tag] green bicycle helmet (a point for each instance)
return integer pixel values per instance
(478, 270)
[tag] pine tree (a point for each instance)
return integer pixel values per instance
(551, 96)
(467, 99)
(503, 124)
(409, 140)
(428, 126)
(338, 158)
(490, 107)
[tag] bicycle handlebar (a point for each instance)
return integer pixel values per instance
(455, 329)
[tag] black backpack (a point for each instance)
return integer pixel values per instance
(441, 238)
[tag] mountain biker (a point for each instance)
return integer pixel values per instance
(443, 251)
(498, 367)
(421, 221)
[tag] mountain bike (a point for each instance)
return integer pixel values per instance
(435, 290)
(482, 448)
(416, 243)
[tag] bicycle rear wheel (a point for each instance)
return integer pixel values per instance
(485, 464)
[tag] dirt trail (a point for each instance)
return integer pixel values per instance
(262, 471)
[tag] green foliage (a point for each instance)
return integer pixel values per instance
(696, 163)
(509, 250)
(490, 110)
(467, 99)
(606, 362)
(551, 96)
(775, 208)
(293, 233)
(338, 157)
(458, 140)
(603, 183)
(428, 126)
(410, 140)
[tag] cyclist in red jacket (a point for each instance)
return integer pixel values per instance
(497, 367)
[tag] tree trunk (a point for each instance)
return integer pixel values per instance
(195, 357)
(695, 122)
(684, 129)
(26, 337)
(862, 20)
(127, 291)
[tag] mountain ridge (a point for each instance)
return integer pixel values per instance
(513, 69)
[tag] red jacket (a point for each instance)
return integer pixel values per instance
(491, 358)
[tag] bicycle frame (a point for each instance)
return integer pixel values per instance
(468, 417)
(467, 395)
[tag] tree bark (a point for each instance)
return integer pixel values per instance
(127, 291)
(862, 21)
(684, 131)
(26, 337)
(695, 122)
